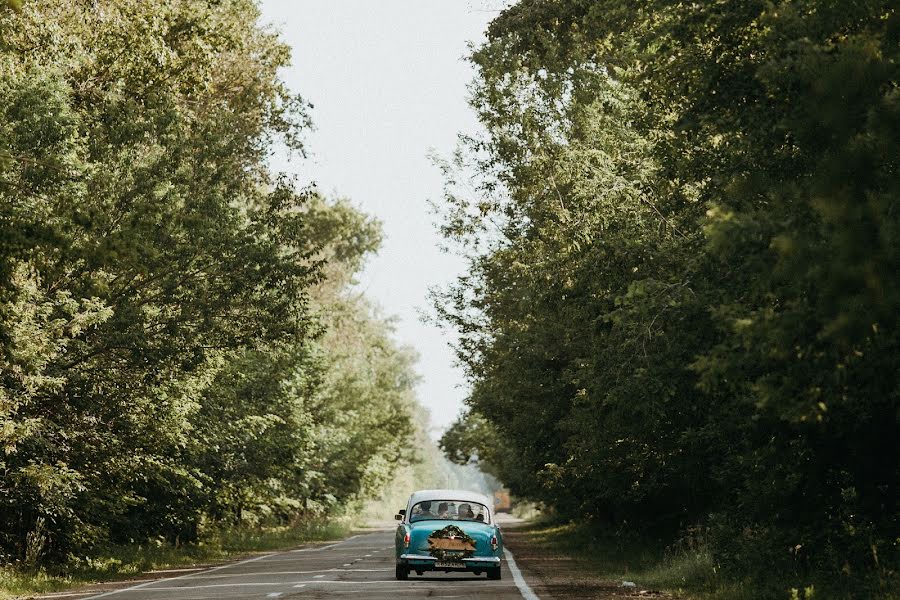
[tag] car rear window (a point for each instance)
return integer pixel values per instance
(449, 510)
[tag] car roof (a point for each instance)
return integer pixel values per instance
(458, 495)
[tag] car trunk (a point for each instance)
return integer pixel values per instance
(481, 533)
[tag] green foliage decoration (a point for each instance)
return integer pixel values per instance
(454, 533)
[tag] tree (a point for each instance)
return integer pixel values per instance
(165, 340)
(679, 289)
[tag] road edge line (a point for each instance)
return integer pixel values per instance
(524, 588)
(218, 568)
(152, 581)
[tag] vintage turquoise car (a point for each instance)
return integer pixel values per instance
(448, 530)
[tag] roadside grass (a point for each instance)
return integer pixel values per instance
(115, 563)
(684, 569)
(688, 573)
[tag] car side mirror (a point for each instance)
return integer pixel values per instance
(400, 514)
(398, 517)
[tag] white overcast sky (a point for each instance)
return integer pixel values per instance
(388, 79)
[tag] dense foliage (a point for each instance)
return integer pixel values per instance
(179, 346)
(682, 300)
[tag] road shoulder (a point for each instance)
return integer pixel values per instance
(554, 573)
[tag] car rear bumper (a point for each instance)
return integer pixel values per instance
(424, 562)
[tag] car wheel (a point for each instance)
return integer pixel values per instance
(401, 573)
(493, 573)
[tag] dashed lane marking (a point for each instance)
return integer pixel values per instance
(149, 583)
(145, 585)
(172, 588)
(328, 547)
(259, 573)
(412, 584)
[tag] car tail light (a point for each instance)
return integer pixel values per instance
(494, 544)
(406, 539)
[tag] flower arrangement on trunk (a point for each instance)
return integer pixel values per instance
(450, 544)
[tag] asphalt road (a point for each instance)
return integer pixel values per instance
(358, 567)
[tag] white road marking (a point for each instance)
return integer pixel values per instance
(413, 585)
(258, 573)
(328, 547)
(175, 570)
(144, 585)
(148, 583)
(524, 589)
(384, 586)
(170, 588)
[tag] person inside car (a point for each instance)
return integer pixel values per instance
(423, 511)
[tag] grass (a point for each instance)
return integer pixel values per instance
(685, 569)
(688, 573)
(124, 562)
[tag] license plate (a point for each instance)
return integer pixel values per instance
(449, 565)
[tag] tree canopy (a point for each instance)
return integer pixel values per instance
(179, 344)
(682, 299)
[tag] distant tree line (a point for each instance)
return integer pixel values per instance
(180, 346)
(681, 307)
